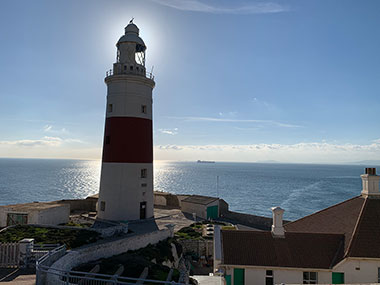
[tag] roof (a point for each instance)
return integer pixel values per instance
(27, 207)
(197, 199)
(295, 250)
(357, 218)
(132, 35)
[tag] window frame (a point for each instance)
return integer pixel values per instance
(144, 109)
(143, 173)
(102, 206)
(269, 277)
(309, 279)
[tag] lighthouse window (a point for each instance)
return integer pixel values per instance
(125, 67)
(144, 173)
(131, 67)
(109, 109)
(143, 109)
(143, 185)
(102, 206)
(108, 139)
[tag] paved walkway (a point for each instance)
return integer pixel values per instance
(18, 277)
(208, 280)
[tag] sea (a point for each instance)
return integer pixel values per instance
(252, 188)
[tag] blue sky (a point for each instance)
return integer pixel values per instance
(291, 81)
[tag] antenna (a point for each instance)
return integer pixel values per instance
(131, 21)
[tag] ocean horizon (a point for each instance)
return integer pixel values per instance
(252, 188)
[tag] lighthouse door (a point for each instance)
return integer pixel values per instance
(142, 210)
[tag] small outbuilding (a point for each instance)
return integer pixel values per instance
(204, 207)
(43, 213)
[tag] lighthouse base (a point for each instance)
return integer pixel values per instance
(126, 191)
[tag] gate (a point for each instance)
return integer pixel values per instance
(9, 255)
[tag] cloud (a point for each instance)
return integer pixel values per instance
(312, 152)
(169, 147)
(43, 142)
(169, 131)
(230, 120)
(47, 128)
(51, 129)
(199, 6)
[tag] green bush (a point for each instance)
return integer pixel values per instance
(42, 235)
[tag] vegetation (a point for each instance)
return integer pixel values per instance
(42, 235)
(134, 262)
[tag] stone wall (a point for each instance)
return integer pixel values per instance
(104, 250)
(262, 223)
(200, 247)
(83, 205)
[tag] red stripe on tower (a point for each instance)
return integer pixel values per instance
(128, 139)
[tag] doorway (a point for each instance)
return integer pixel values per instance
(142, 210)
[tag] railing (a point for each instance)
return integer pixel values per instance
(45, 272)
(148, 75)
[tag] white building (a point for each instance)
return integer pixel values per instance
(43, 213)
(126, 183)
(340, 244)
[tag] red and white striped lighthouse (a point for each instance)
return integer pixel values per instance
(126, 182)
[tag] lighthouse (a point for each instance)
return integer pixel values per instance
(126, 181)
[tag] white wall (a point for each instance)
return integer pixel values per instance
(120, 188)
(49, 216)
(198, 209)
(366, 274)
(256, 276)
(54, 216)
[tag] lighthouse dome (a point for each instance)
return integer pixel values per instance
(132, 35)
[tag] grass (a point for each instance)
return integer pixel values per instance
(42, 235)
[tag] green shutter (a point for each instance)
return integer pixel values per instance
(338, 278)
(212, 212)
(238, 276)
(228, 279)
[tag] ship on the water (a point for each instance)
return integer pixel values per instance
(205, 161)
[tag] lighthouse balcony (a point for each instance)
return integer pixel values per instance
(135, 71)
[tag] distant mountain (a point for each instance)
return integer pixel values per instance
(368, 162)
(267, 161)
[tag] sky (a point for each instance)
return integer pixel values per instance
(288, 81)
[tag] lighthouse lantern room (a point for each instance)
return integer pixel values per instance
(126, 182)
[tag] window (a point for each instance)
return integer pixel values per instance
(109, 108)
(16, 219)
(102, 206)
(269, 277)
(144, 173)
(108, 139)
(125, 67)
(131, 67)
(143, 109)
(143, 185)
(310, 278)
(378, 275)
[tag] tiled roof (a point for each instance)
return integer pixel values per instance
(299, 250)
(365, 241)
(197, 199)
(340, 218)
(358, 219)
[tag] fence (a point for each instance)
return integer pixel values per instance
(9, 254)
(66, 277)
(23, 253)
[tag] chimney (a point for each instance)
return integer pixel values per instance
(278, 230)
(370, 183)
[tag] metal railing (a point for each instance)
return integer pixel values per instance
(44, 271)
(148, 75)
